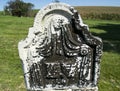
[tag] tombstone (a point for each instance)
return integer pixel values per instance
(59, 52)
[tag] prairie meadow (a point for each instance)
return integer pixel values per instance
(14, 29)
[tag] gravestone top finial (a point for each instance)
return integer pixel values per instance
(57, 1)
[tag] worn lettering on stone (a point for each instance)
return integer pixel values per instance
(60, 52)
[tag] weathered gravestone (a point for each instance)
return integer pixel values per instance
(59, 52)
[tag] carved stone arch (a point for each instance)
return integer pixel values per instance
(53, 8)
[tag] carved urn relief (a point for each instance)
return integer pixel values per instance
(60, 52)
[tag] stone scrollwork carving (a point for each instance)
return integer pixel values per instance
(60, 52)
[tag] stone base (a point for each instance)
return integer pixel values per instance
(78, 89)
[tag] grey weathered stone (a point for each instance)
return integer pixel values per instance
(60, 52)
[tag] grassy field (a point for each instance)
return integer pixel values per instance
(99, 12)
(109, 31)
(1, 13)
(13, 29)
(96, 12)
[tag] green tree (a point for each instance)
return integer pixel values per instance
(18, 8)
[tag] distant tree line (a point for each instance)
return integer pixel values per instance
(18, 8)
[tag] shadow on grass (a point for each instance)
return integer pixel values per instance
(111, 39)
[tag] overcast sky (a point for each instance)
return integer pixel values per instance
(40, 3)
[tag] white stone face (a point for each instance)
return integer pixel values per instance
(52, 13)
(48, 16)
(48, 23)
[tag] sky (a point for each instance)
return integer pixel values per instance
(40, 3)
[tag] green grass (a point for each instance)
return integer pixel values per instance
(1, 12)
(109, 31)
(13, 29)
